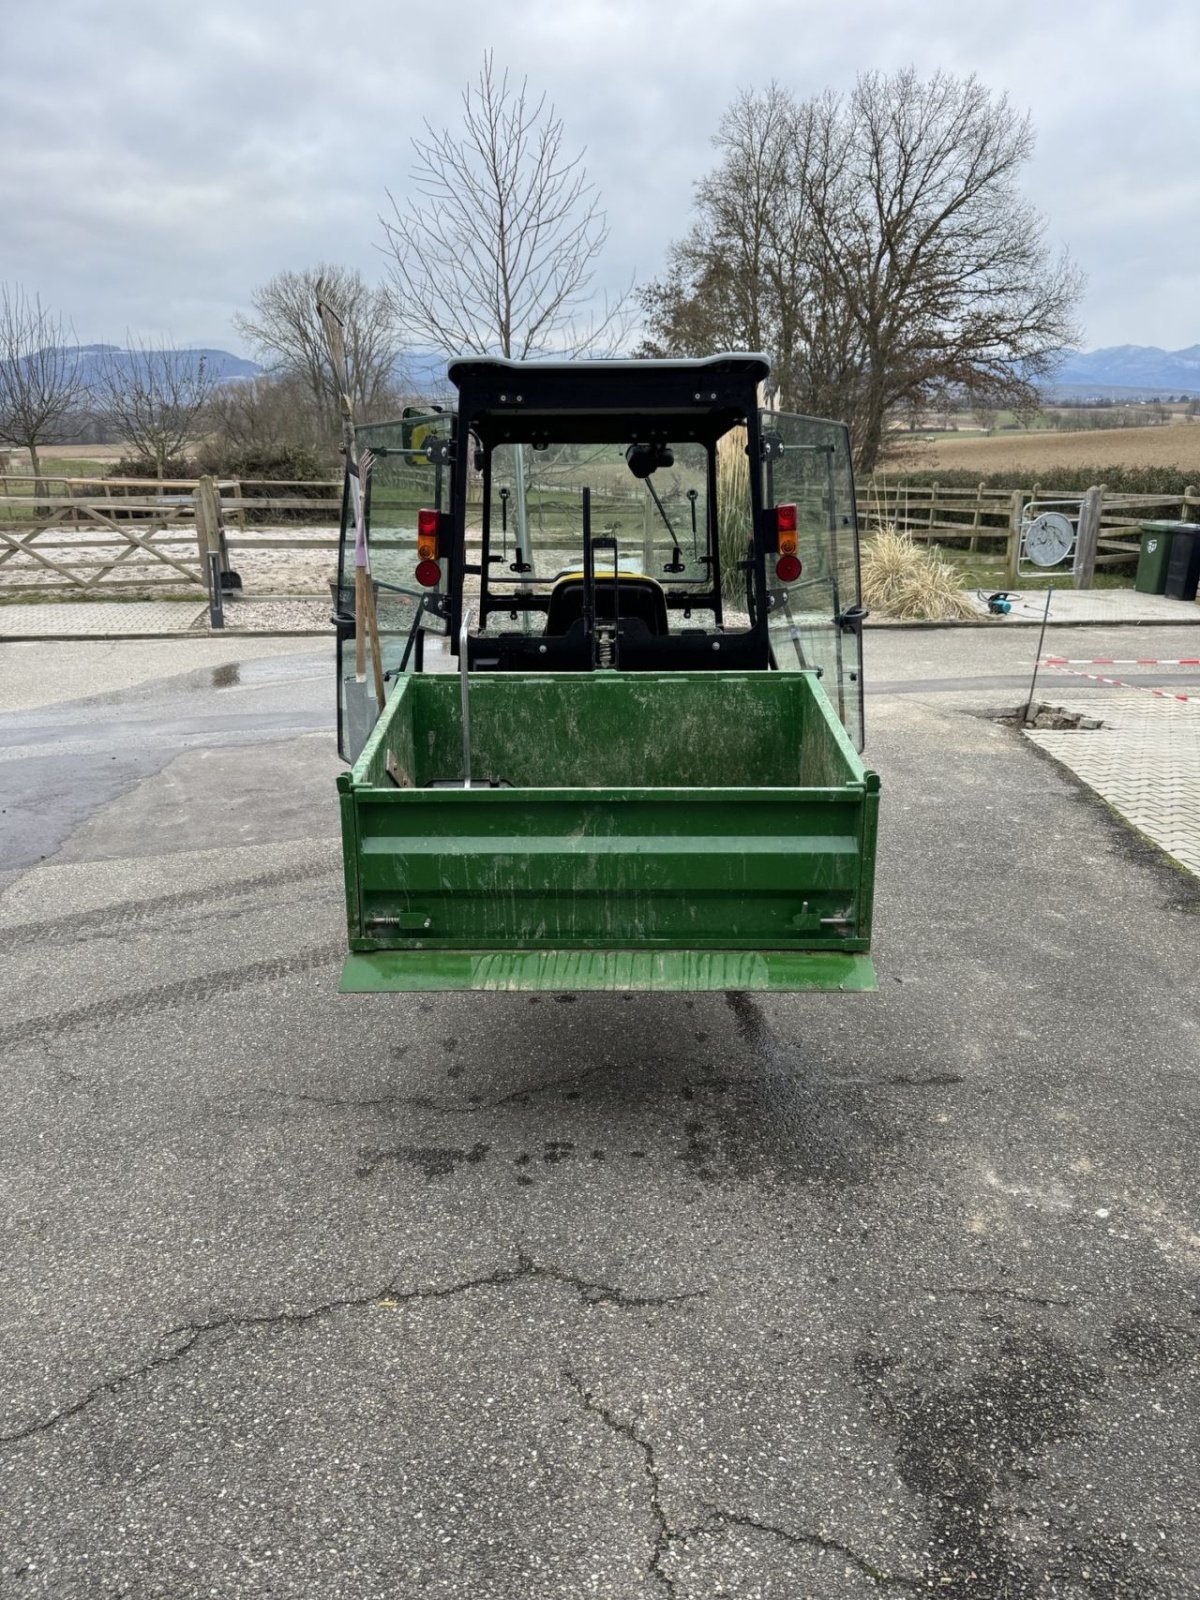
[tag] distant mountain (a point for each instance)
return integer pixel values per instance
(1130, 367)
(417, 372)
(220, 365)
(1122, 371)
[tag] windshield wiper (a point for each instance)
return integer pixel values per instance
(676, 564)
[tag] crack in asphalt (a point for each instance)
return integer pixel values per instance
(109, 1386)
(666, 1536)
(996, 1292)
(813, 1541)
(187, 1335)
(625, 1430)
(567, 1081)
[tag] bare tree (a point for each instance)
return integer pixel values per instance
(154, 398)
(917, 262)
(985, 409)
(40, 378)
(265, 415)
(738, 277)
(286, 332)
(496, 251)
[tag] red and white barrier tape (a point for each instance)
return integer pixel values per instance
(1111, 661)
(1120, 683)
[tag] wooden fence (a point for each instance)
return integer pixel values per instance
(990, 520)
(109, 535)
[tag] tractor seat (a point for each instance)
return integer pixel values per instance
(640, 599)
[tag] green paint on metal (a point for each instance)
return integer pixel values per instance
(615, 730)
(389, 971)
(684, 819)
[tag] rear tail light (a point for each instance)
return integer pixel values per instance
(429, 574)
(785, 526)
(788, 568)
(428, 524)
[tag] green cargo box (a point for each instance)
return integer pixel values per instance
(622, 831)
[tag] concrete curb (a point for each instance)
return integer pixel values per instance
(1000, 624)
(1003, 624)
(116, 638)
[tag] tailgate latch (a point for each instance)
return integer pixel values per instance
(402, 922)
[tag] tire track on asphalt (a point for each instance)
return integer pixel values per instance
(162, 997)
(128, 915)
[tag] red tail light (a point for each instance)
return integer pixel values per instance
(788, 569)
(428, 525)
(785, 526)
(429, 574)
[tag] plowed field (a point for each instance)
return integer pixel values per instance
(1175, 445)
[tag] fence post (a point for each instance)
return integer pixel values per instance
(1086, 535)
(210, 528)
(1016, 508)
(974, 545)
(208, 497)
(203, 517)
(933, 494)
(1189, 494)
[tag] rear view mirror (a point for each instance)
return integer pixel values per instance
(643, 459)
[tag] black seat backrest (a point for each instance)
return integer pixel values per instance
(640, 599)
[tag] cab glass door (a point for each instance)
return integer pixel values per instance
(409, 474)
(815, 620)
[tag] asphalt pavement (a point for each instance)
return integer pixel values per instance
(553, 1295)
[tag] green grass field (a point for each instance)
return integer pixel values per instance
(14, 482)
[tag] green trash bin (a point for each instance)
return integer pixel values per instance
(1155, 557)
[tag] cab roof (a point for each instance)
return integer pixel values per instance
(606, 401)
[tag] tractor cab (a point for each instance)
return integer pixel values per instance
(637, 516)
(610, 735)
(599, 544)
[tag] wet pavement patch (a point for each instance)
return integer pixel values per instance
(434, 1161)
(1153, 1345)
(962, 1449)
(699, 1150)
(747, 1015)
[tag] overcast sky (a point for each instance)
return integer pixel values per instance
(158, 160)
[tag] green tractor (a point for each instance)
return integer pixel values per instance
(609, 737)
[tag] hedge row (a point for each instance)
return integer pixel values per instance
(1126, 480)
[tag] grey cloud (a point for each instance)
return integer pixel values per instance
(157, 162)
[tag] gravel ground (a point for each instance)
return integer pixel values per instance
(268, 571)
(283, 615)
